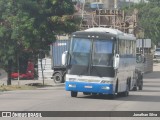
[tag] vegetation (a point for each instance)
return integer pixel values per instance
(28, 26)
(149, 18)
(30, 86)
(16, 87)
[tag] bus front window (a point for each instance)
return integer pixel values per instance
(80, 51)
(102, 53)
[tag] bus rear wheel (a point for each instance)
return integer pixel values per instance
(125, 93)
(74, 94)
(140, 87)
(135, 88)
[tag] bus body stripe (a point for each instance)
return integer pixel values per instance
(89, 87)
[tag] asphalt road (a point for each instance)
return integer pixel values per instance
(57, 99)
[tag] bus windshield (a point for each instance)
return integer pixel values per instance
(96, 52)
(80, 51)
(102, 52)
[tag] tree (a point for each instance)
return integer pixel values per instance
(31, 25)
(149, 18)
(155, 2)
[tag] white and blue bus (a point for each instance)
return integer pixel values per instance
(100, 61)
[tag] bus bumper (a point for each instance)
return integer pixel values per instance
(89, 87)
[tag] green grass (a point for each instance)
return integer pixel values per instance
(16, 87)
(30, 86)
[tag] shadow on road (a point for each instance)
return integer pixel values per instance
(153, 86)
(150, 91)
(153, 75)
(143, 98)
(157, 81)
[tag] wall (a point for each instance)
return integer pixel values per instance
(47, 70)
(148, 65)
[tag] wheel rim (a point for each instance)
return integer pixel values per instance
(57, 78)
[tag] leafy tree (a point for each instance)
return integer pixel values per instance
(149, 18)
(26, 26)
(155, 2)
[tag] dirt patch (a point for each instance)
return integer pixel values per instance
(16, 87)
(29, 86)
(38, 85)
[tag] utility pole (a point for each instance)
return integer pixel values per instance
(115, 4)
(42, 71)
(115, 7)
(10, 63)
(41, 56)
(84, 1)
(18, 68)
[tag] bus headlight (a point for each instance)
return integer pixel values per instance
(72, 86)
(105, 88)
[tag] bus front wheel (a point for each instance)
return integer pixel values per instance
(74, 94)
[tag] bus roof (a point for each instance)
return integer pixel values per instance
(106, 30)
(116, 32)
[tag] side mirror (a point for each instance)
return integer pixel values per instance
(64, 58)
(116, 61)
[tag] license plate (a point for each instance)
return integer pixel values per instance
(87, 86)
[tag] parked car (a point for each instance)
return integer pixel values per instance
(157, 53)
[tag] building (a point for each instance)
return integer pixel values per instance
(108, 4)
(111, 4)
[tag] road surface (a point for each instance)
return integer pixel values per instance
(57, 99)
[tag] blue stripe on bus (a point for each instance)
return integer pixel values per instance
(82, 87)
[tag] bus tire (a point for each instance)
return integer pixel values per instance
(140, 87)
(58, 78)
(135, 88)
(126, 93)
(74, 94)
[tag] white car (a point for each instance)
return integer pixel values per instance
(157, 53)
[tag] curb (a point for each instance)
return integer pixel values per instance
(59, 84)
